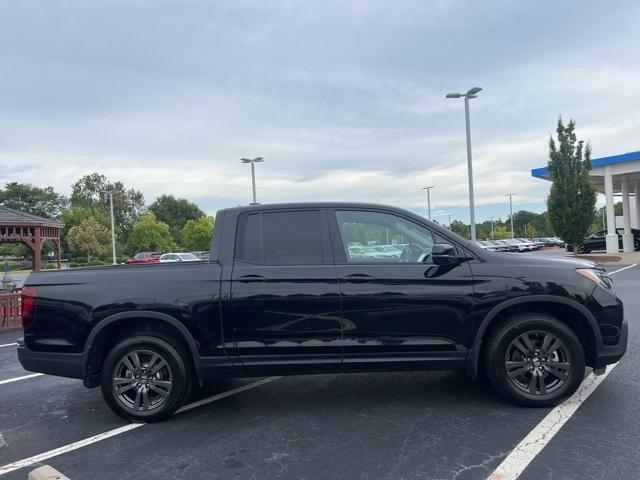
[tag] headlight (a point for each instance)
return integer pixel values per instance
(597, 276)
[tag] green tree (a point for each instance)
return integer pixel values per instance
(537, 224)
(175, 212)
(92, 192)
(44, 202)
(88, 238)
(148, 234)
(572, 199)
(197, 233)
(501, 232)
(73, 216)
(461, 228)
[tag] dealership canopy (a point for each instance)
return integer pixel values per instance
(615, 175)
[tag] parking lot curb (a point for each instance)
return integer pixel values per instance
(46, 472)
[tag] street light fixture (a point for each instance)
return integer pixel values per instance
(428, 189)
(253, 161)
(471, 93)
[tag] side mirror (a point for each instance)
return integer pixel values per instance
(445, 254)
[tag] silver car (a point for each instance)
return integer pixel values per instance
(179, 257)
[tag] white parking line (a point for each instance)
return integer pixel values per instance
(117, 431)
(24, 377)
(623, 268)
(512, 467)
(8, 345)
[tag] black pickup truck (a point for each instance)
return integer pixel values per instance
(323, 288)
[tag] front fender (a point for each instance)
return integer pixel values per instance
(472, 360)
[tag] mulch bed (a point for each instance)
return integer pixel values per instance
(600, 258)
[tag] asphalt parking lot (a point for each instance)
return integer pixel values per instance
(424, 425)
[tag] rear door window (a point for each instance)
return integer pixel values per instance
(281, 238)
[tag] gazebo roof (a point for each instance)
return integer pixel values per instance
(9, 216)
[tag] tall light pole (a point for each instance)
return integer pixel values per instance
(491, 227)
(428, 189)
(472, 93)
(113, 230)
(510, 195)
(253, 161)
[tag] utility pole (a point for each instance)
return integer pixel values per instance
(491, 227)
(113, 230)
(510, 195)
(428, 189)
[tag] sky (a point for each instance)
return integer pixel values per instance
(345, 100)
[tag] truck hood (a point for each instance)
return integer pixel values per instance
(539, 260)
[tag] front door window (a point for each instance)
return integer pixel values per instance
(374, 237)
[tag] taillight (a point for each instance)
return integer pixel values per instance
(29, 296)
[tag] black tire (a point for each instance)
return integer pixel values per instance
(533, 379)
(582, 249)
(636, 244)
(150, 388)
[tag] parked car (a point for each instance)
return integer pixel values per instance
(557, 242)
(281, 296)
(597, 241)
(487, 245)
(501, 247)
(509, 246)
(201, 254)
(528, 243)
(179, 257)
(145, 257)
(538, 243)
(544, 242)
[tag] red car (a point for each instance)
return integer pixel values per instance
(145, 257)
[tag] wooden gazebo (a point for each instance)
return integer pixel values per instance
(21, 227)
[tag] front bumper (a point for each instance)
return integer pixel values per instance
(52, 363)
(608, 354)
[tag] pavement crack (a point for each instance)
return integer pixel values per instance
(483, 464)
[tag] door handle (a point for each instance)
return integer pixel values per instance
(251, 278)
(358, 278)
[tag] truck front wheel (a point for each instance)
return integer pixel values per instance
(534, 360)
(145, 378)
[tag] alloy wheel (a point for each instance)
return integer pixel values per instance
(537, 363)
(142, 380)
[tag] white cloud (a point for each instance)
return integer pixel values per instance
(344, 100)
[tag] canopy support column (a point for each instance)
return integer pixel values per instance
(612, 236)
(627, 237)
(637, 193)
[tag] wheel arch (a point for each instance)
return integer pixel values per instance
(568, 311)
(106, 333)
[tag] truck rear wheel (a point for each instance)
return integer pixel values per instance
(534, 359)
(145, 378)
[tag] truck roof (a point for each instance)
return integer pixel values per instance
(270, 206)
